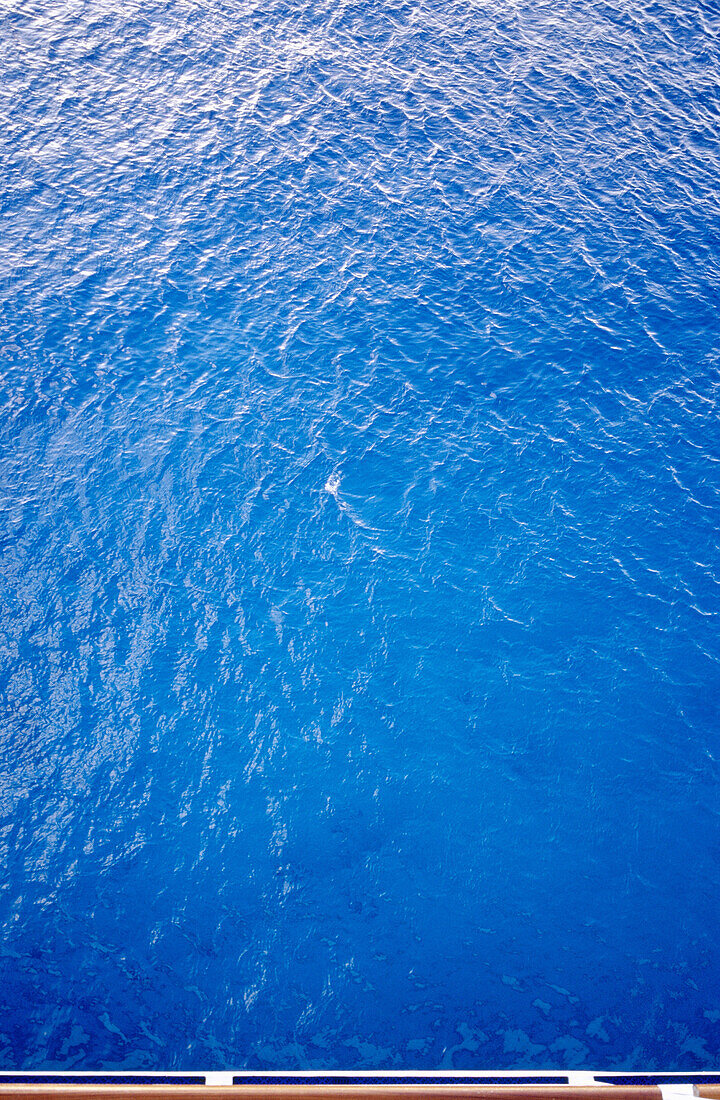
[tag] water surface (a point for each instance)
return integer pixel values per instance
(360, 580)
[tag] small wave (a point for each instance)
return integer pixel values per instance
(332, 485)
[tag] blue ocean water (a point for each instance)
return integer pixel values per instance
(359, 468)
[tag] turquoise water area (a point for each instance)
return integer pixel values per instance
(359, 580)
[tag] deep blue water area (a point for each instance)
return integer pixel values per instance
(359, 502)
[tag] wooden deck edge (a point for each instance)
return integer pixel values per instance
(354, 1091)
(84, 1090)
